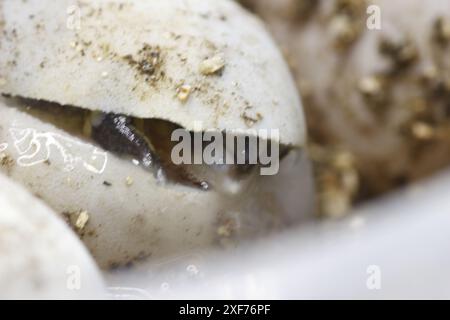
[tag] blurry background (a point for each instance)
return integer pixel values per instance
(374, 76)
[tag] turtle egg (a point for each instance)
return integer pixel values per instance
(93, 99)
(40, 256)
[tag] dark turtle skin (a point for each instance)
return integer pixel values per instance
(116, 133)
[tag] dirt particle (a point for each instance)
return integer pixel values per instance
(77, 220)
(344, 30)
(251, 118)
(338, 180)
(370, 86)
(148, 62)
(441, 32)
(373, 90)
(184, 92)
(422, 131)
(82, 220)
(212, 65)
(129, 181)
(402, 54)
(6, 162)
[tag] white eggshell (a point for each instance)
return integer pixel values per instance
(80, 55)
(40, 258)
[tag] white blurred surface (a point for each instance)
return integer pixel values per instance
(405, 237)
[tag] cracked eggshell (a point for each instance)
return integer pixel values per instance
(184, 61)
(40, 258)
(123, 214)
(390, 142)
(139, 57)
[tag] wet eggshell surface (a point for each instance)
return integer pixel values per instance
(191, 62)
(40, 258)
